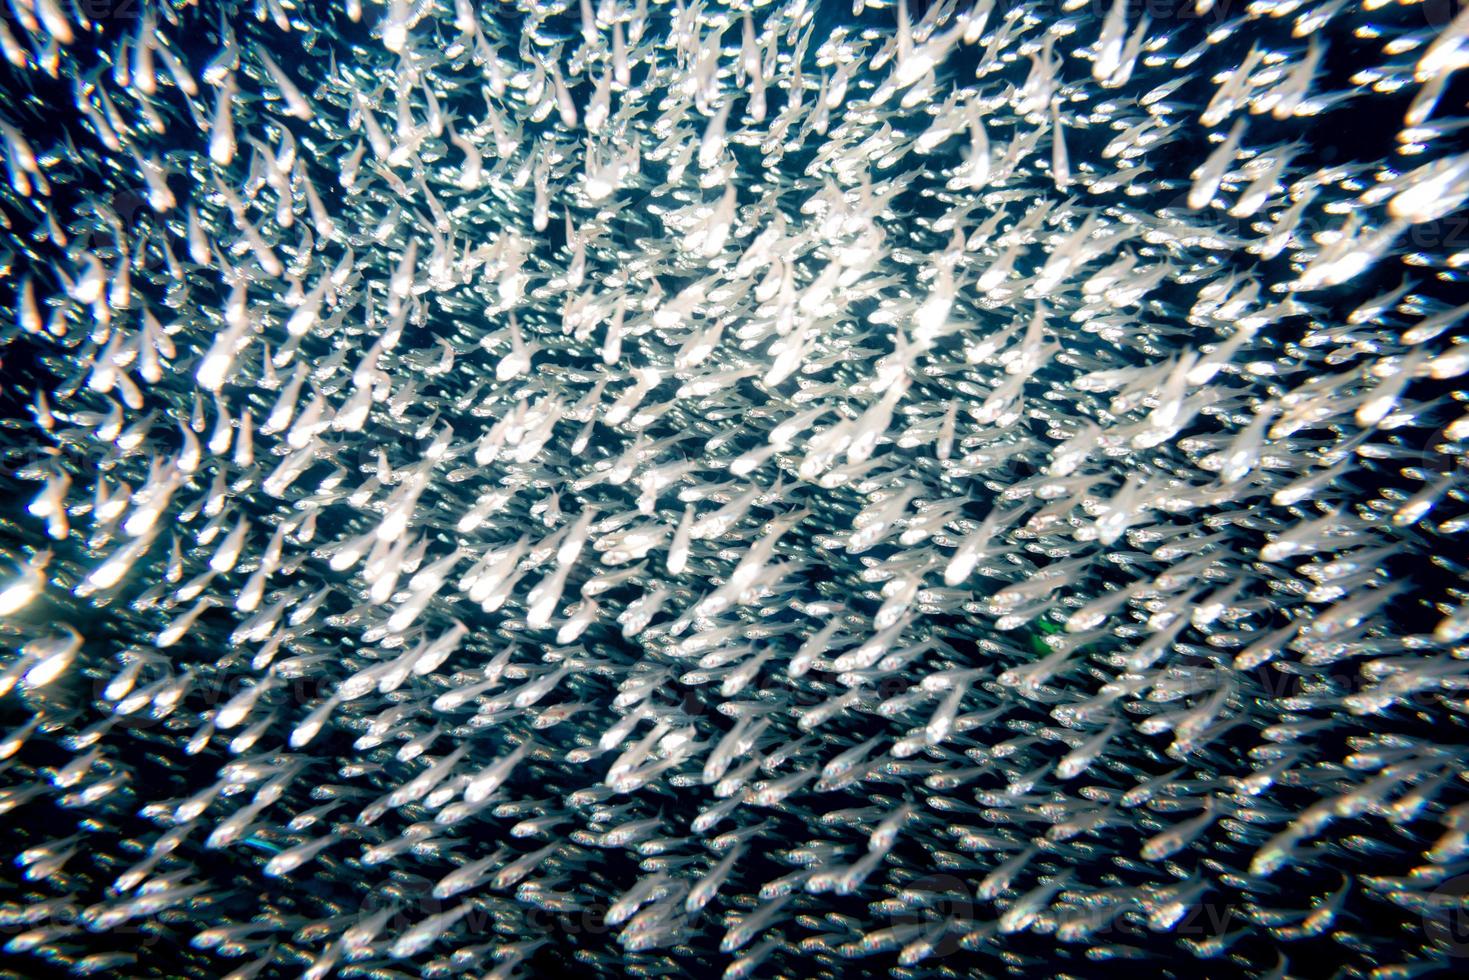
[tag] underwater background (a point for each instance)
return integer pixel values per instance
(1362, 890)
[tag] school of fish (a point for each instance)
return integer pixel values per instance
(775, 488)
